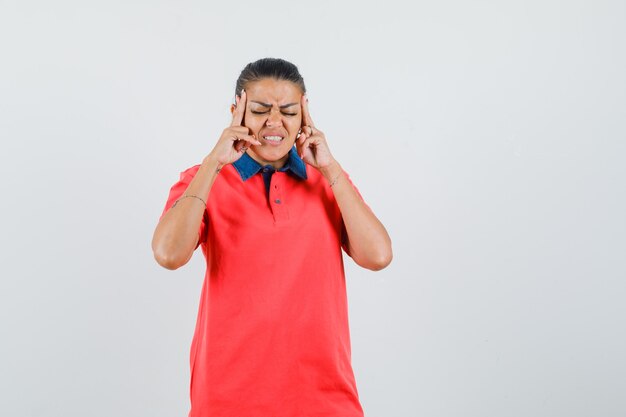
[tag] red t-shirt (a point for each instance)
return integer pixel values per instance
(272, 336)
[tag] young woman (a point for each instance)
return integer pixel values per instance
(272, 209)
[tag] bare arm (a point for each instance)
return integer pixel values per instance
(368, 241)
(176, 235)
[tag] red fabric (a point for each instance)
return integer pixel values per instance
(272, 336)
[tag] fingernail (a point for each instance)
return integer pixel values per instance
(243, 91)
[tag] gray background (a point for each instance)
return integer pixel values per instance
(488, 137)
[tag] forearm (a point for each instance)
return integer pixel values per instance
(176, 235)
(368, 241)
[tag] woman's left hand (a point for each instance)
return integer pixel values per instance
(311, 144)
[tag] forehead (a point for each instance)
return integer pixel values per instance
(269, 90)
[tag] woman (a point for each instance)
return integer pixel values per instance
(272, 210)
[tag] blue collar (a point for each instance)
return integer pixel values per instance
(247, 167)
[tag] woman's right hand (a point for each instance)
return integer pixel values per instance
(235, 139)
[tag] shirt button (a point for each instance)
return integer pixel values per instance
(277, 201)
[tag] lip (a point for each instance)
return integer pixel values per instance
(272, 143)
(282, 135)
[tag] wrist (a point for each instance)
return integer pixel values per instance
(211, 163)
(331, 171)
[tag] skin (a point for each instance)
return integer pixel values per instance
(277, 119)
(176, 235)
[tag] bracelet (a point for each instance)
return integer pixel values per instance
(189, 195)
(335, 180)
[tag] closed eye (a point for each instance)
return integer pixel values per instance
(263, 112)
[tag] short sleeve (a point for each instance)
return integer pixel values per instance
(344, 233)
(177, 190)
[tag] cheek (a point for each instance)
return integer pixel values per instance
(297, 122)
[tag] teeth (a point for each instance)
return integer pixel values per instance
(273, 138)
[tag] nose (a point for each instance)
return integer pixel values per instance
(274, 119)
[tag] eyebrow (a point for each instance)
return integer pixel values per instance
(269, 105)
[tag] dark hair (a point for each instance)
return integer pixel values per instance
(276, 68)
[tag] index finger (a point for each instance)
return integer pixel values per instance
(240, 110)
(308, 121)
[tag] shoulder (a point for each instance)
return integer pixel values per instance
(318, 178)
(189, 172)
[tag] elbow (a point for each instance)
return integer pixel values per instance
(383, 256)
(168, 251)
(380, 262)
(167, 258)
(167, 262)
(377, 261)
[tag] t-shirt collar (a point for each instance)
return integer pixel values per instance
(247, 167)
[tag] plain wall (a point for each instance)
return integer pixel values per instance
(489, 138)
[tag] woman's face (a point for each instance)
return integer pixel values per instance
(274, 115)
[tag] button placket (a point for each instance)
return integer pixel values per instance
(277, 202)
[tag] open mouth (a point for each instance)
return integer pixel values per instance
(273, 140)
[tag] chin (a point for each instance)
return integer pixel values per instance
(271, 155)
(270, 152)
(274, 155)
